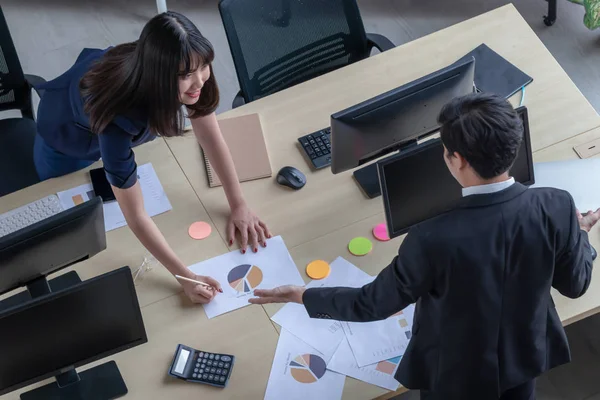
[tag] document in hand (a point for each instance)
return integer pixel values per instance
(578, 177)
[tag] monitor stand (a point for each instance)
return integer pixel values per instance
(368, 177)
(40, 287)
(103, 382)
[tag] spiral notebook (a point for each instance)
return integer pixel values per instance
(246, 142)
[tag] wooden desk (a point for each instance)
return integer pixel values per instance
(123, 248)
(329, 202)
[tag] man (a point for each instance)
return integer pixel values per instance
(485, 324)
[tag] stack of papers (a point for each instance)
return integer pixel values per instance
(155, 198)
(370, 352)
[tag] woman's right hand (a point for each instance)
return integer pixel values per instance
(200, 294)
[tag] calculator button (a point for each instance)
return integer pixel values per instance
(209, 363)
(217, 357)
(222, 379)
(195, 369)
(211, 377)
(201, 354)
(195, 375)
(226, 365)
(212, 356)
(213, 370)
(200, 371)
(219, 371)
(205, 355)
(197, 365)
(203, 365)
(225, 358)
(220, 365)
(224, 372)
(205, 376)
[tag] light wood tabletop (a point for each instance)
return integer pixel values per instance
(557, 111)
(122, 246)
(315, 222)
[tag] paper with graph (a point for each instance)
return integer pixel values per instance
(299, 372)
(372, 342)
(155, 198)
(380, 374)
(323, 335)
(240, 274)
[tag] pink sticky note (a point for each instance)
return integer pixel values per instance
(199, 230)
(380, 232)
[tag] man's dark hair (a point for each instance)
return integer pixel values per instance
(483, 128)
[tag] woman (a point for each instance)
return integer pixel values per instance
(112, 100)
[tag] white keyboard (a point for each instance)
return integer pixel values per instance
(29, 214)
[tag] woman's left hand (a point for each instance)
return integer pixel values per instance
(252, 230)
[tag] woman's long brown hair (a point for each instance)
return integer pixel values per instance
(142, 77)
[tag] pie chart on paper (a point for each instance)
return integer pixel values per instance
(245, 278)
(307, 368)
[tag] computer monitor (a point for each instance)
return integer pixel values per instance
(417, 184)
(391, 120)
(29, 255)
(58, 332)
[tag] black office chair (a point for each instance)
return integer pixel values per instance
(276, 44)
(17, 169)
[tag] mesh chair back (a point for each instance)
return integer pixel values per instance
(276, 44)
(13, 87)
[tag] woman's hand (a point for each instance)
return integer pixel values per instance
(200, 294)
(252, 230)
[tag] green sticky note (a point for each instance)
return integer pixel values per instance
(360, 246)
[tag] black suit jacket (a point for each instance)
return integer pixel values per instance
(481, 276)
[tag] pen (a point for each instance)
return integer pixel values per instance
(206, 285)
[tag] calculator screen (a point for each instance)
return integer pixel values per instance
(181, 361)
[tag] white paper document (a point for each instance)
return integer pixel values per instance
(299, 373)
(155, 198)
(578, 177)
(380, 374)
(372, 342)
(240, 274)
(323, 335)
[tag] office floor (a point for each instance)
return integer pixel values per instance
(50, 34)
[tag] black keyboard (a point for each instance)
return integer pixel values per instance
(317, 147)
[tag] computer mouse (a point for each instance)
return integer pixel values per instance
(291, 177)
(594, 253)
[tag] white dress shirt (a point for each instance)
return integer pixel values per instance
(489, 188)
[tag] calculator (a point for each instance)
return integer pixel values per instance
(202, 366)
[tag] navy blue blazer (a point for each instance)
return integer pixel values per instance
(64, 125)
(481, 277)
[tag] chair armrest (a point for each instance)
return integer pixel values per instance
(239, 100)
(379, 41)
(34, 81)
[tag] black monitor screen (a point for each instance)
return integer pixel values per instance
(417, 185)
(92, 320)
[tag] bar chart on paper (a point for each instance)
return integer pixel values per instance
(245, 278)
(308, 368)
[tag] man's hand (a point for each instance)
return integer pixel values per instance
(200, 294)
(282, 294)
(588, 220)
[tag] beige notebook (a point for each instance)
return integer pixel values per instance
(246, 142)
